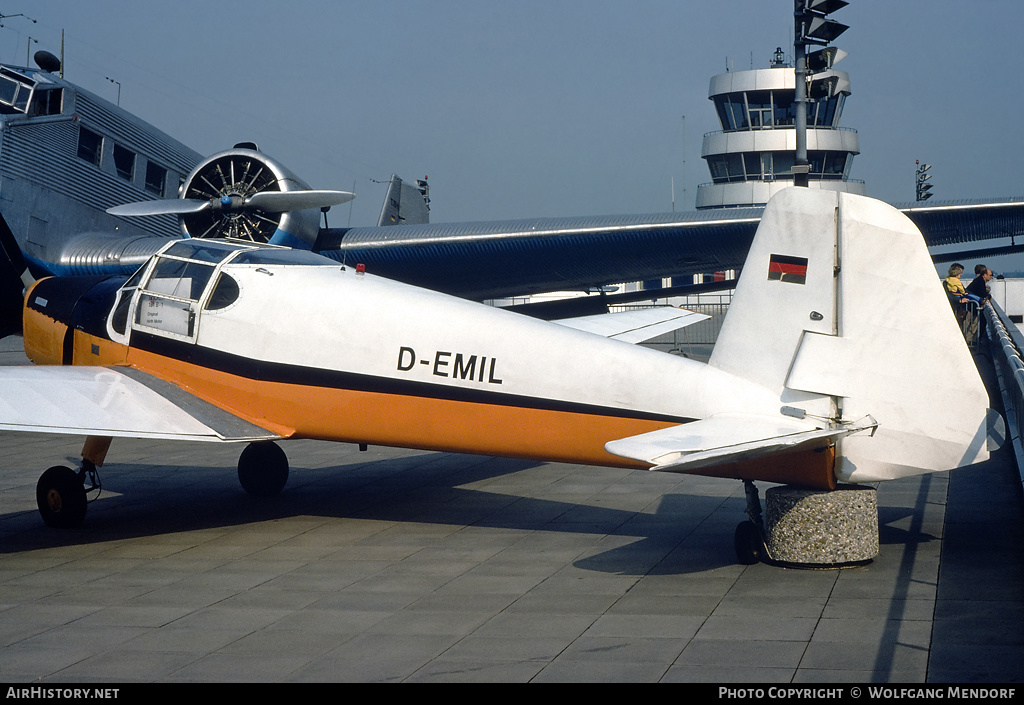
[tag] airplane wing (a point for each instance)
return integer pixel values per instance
(637, 325)
(489, 260)
(954, 222)
(514, 258)
(113, 401)
(511, 258)
(726, 438)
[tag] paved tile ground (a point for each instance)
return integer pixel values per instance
(392, 565)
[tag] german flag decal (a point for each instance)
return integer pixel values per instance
(787, 269)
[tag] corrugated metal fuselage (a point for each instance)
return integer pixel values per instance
(50, 193)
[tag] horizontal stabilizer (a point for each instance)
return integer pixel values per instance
(727, 438)
(635, 326)
(108, 401)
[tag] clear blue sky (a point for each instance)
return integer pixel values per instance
(537, 107)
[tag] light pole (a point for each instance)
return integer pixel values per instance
(118, 88)
(28, 48)
(810, 27)
(4, 17)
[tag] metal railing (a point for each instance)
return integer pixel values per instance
(969, 316)
(1006, 344)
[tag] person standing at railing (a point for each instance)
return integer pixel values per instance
(979, 289)
(956, 292)
(954, 287)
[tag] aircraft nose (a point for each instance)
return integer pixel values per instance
(49, 306)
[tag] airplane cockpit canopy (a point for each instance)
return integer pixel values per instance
(171, 291)
(214, 252)
(28, 92)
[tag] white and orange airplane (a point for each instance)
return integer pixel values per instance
(839, 362)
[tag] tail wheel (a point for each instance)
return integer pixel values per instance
(60, 496)
(749, 544)
(263, 469)
(233, 176)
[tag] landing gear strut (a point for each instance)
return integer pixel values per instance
(263, 469)
(749, 537)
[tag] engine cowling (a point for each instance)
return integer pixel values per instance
(231, 178)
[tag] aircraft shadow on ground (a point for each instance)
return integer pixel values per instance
(154, 500)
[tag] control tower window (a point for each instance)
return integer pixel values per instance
(90, 146)
(724, 113)
(732, 111)
(156, 177)
(768, 166)
(835, 165)
(825, 112)
(759, 104)
(785, 109)
(124, 162)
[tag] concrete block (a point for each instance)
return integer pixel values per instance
(812, 527)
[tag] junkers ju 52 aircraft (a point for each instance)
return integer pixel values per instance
(831, 366)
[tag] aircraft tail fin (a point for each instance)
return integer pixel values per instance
(839, 310)
(405, 204)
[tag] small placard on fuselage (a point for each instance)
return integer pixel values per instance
(164, 314)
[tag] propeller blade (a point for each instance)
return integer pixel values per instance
(172, 206)
(269, 201)
(280, 201)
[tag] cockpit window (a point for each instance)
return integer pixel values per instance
(225, 293)
(169, 298)
(168, 301)
(179, 278)
(269, 256)
(211, 252)
(15, 91)
(47, 102)
(119, 319)
(136, 278)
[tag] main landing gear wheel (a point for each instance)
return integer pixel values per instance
(749, 544)
(60, 495)
(263, 469)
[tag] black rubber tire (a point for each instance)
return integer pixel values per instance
(263, 469)
(60, 496)
(749, 547)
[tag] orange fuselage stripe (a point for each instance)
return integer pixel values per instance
(402, 420)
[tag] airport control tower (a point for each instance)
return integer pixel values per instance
(752, 156)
